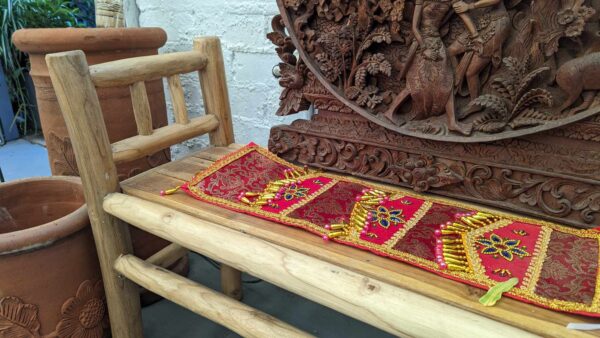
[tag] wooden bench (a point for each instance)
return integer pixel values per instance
(390, 295)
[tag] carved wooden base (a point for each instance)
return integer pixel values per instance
(553, 176)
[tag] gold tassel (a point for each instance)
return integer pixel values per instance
(361, 215)
(450, 251)
(274, 189)
(169, 191)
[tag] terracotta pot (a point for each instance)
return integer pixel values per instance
(50, 279)
(100, 45)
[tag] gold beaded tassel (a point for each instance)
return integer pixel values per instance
(342, 228)
(450, 251)
(170, 191)
(275, 189)
(361, 215)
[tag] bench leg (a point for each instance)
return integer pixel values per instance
(231, 282)
(216, 102)
(83, 116)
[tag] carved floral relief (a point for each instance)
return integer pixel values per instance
(64, 163)
(82, 316)
(503, 175)
(18, 319)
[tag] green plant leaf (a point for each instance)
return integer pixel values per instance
(17, 14)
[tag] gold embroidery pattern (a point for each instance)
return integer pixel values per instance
(471, 246)
(532, 275)
(596, 300)
(310, 198)
(390, 243)
(506, 248)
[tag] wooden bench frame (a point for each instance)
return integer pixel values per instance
(392, 296)
(75, 84)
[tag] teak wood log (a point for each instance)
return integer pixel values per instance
(109, 13)
(231, 282)
(214, 90)
(168, 255)
(146, 68)
(241, 318)
(213, 83)
(178, 99)
(83, 116)
(141, 108)
(144, 145)
(395, 310)
(75, 83)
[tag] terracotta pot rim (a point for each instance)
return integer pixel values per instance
(50, 40)
(44, 235)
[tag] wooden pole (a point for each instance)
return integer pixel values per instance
(216, 102)
(241, 318)
(140, 146)
(398, 311)
(141, 108)
(168, 255)
(146, 68)
(231, 282)
(214, 90)
(83, 116)
(178, 99)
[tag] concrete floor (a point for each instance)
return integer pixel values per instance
(21, 159)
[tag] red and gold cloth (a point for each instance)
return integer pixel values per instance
(557, 266)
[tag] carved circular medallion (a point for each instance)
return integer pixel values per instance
(444, 70)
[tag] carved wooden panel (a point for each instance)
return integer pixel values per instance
(523, 133)
(461, 71)
(556, 181)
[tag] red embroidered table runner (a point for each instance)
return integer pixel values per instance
(557, 266)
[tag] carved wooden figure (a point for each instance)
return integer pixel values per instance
(430, 78)
(579, 76)
(494, 23)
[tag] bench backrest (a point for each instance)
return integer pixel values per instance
(75, 84)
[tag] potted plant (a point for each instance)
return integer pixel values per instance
(12, 79)
(17, 14)
(8, 130)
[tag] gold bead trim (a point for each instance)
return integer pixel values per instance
(450, 251)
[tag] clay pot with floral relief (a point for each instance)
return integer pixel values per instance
(50, 281)
(100, 45)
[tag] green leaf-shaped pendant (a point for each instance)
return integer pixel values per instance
(495, 293)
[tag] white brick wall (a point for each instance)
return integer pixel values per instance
(242, 26)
